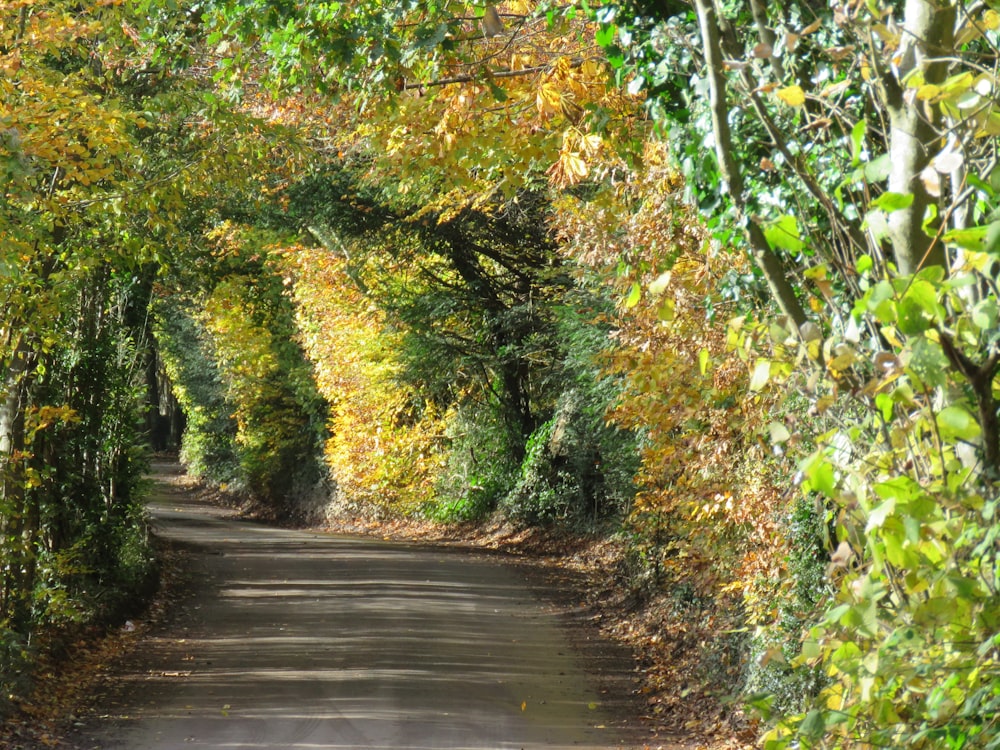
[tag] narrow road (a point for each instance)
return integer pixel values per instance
(290, 639)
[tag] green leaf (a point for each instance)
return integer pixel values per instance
(973, 238)
(985, 314)
(811, 649)
(877, 170)
(499, 94)
(928, 362)
(993, 238)
(938, 610)
(890, 202)
(857, 141)
(634, 295)
(955, 423)
(897, 551)
(882, 303)
(813, 725)
(784, 234)
(820, 477)
(930, 224)
(919, 308)
(877, 517)
(665, 311)
(885, 405)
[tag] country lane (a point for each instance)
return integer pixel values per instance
(296, 639)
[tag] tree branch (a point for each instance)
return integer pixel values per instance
(470, 77)
(769, 263)
(759, 10)
(980, 378)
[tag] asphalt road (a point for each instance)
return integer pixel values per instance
(290, 639)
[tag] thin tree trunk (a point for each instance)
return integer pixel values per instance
(18, 568)
(928, 32)
(769, 263)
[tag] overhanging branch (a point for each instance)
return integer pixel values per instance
(470, 77)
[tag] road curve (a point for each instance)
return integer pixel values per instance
(291, 639)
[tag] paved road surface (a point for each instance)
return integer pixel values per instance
(294, 639)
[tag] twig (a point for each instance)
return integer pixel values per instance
(470, 77)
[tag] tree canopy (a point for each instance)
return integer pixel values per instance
(720, 274)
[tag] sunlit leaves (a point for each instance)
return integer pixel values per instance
(458, 110)
(683, 383)
(784, 234)
(956, 423)
(381, 452)
(793, 96)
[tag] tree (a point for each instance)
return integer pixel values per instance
(473, 296)
(865, 137)
(93, 193)
(62, 147)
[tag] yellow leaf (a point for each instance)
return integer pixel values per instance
(574, 167)
(793, 96)
(928, 91)
(548, 100)
(524, 705)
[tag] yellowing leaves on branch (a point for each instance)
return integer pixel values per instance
(485, 112)
(380, 454)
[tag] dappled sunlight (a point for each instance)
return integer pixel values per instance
(303, 640)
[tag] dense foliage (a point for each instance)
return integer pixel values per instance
(860, 172)
(721, 272)
(73, 340)
(108, 169)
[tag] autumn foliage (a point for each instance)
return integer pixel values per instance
(719, 275)
(382, 455)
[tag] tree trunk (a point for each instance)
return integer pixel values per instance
(504, 335)
(927, 38)
(769, 263)
(18, 567)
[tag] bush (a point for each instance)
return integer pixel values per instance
(479, 470)
(255, 421)
(208, 446)
(575, 468)
(771, 670)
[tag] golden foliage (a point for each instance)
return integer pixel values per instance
(384, 450)
(706, 490)
(493, 114)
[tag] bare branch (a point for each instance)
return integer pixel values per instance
(771, 265)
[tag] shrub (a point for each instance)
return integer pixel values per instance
(479, 470)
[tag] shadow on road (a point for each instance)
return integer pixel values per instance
(293, 639)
